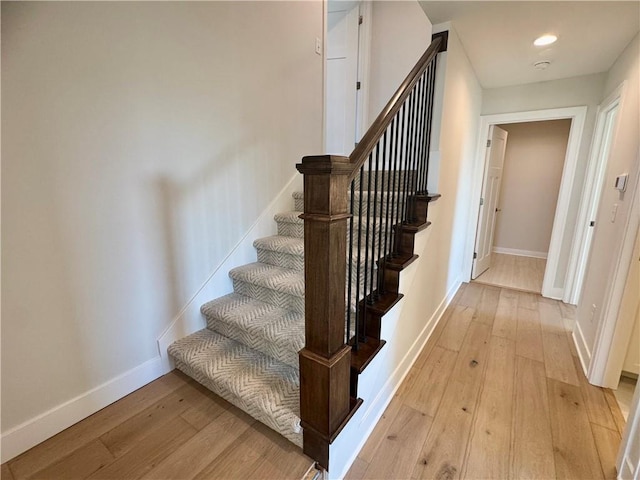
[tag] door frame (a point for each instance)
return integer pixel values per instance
(364, 69)
(568, 184)
(594, 180)
(482, 208)
(604, 368)
(363, 62)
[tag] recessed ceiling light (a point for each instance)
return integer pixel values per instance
(545, 40)
(542, 65)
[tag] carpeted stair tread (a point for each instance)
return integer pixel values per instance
(290, 224)
(288, 217)
(263, 387)
(278, 243)
(282, 287)
(266, 328)
(281, 251)
(280, 279)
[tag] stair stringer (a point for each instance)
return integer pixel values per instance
(406, 333)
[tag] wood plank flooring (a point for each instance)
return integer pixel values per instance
(496, 393)
(515, 272)
(172, 428)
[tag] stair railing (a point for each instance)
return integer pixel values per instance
(357, 211)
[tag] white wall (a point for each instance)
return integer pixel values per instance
(570, 92)
(630, 311)
(400, 34)
(608, 235)
(430, 282)
(141, 141)
(533, 164)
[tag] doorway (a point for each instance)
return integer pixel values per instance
(520, 192)
(561, 233)
(347, 65)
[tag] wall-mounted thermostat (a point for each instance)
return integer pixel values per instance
(621, 182)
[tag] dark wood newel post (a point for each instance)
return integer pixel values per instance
(325, 360)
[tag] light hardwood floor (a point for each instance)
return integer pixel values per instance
(497, 392)
(515, 272)
(172, 428)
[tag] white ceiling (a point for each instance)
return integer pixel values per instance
(498, 36)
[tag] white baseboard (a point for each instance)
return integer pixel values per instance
(378, 405)
(32, 432)
(190, 320)
(519, 253)
(554, 293)
(397, 377)
(584, 353)
(36, 430)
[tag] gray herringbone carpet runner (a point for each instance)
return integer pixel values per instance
(248, 354)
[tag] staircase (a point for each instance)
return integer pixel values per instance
(304, 321)
(248, 354)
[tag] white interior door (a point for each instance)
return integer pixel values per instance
(342, 75)
(489, 200)
(603, 139)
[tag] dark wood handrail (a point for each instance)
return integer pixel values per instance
(334, 354)
(379, 126)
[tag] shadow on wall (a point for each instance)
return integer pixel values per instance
(205, 215)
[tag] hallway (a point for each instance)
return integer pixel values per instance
(515, 272)
(497, 392)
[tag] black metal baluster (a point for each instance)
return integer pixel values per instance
(387, 232)
(358, 276)
(432, 88)
(414, 152)
(384, 215)
(396, 187)
(407, 160)
(402, 177)
(366, 248)
(423, 122)
(421, 131)
(375, 219)
(350, 262)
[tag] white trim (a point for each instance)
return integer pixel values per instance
(364, 69)
(590, 199)
(519, 253)
(325, 35)
(567, 185)
(584, 353)
(410, 357)
(377, 406)
(604, 370)
(32, 432)
(554, 292)
(629, 447)
(189, 319)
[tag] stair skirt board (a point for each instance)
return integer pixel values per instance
(248, 354)
(259, 385)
